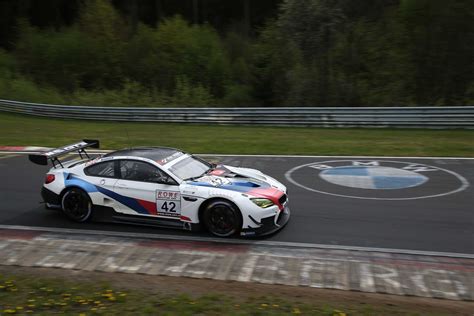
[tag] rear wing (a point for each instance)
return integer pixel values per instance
(53, 155)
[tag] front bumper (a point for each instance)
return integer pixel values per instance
(269, 225)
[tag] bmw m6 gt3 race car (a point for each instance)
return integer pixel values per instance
(163, 187)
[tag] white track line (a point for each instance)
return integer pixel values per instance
(268, 243)
(8, 156)
(270, 156)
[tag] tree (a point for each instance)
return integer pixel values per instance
(441, 46)
(312, 25)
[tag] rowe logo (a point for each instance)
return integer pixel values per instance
(376, 179)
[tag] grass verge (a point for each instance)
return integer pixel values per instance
(56, 291)
(17, 130)
(48, 296)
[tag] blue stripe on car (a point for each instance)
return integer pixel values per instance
(71, 180)
(235, 186)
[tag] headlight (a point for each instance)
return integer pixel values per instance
(263, 203)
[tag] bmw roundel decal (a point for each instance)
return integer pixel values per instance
(377, 179)
(372, 177)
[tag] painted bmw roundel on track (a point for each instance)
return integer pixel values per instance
(377, 179)
(373, 177)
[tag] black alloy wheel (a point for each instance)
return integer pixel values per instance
(77, 205)
(222, 218)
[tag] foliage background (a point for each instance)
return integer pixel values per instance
(238, 53)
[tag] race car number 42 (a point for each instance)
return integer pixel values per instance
(168, 203)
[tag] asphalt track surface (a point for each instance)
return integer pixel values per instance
(397, 203)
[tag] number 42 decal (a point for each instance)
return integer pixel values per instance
(169, 207)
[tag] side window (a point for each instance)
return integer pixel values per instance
(141, 171)
(102, 169)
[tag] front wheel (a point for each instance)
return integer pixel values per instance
(77, 205)
(222, 218)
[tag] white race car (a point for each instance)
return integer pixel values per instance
(163, 187)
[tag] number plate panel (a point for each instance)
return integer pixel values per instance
(168, 203)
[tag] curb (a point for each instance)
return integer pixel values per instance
(355, 270)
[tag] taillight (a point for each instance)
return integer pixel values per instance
(49, 178)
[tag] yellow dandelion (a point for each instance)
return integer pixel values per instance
(2, 287)
(9, 311)
(123, 294)
(109, 291)
(93, 309)
(296, 310)
(276, 305)
(97, 302)
(112, 298)
(19, 308)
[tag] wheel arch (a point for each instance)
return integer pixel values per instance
(86, 196)
(205, 203)
(69, 187)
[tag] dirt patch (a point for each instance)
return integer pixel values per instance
(165, 285)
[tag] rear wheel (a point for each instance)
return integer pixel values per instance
(222, 218)
(77, 205)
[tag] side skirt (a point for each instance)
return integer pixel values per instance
(108, 214)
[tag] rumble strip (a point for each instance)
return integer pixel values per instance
(434, 276)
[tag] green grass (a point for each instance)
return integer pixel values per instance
(39, 295)
(45, 296)
(17, 130)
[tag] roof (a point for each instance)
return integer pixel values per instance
(153, 153)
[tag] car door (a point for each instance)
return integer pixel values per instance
(145, 189)
(103, 176)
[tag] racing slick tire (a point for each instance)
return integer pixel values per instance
(76, 204)
(222, 218)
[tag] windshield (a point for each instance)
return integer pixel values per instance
(190, 167)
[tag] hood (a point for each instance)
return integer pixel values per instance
(246, 172)
(243, 180)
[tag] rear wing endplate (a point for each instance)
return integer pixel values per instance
(53, 155)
